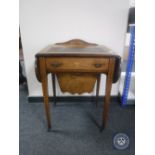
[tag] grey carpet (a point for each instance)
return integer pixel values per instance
(75, 129)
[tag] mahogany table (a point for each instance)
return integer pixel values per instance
(77, 65)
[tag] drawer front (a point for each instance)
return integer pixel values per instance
(56, 64)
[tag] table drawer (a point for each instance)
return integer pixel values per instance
(57, 64)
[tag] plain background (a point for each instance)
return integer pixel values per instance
(45, 22)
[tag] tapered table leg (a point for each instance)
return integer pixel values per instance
(109, 81)
(45, 91)
(97, 88)
(54, 88)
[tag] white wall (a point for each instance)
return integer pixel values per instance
(43, 22)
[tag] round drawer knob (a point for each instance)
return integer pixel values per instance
(56, 64)
(98, 65)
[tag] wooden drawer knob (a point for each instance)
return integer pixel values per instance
(56, 64)
(98, 65)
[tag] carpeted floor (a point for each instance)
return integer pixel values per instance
(75, 129)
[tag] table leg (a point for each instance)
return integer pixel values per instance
(45, 91)
(97, 88)
(109, 81)
(54, 87)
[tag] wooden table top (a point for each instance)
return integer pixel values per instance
(77, 47)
